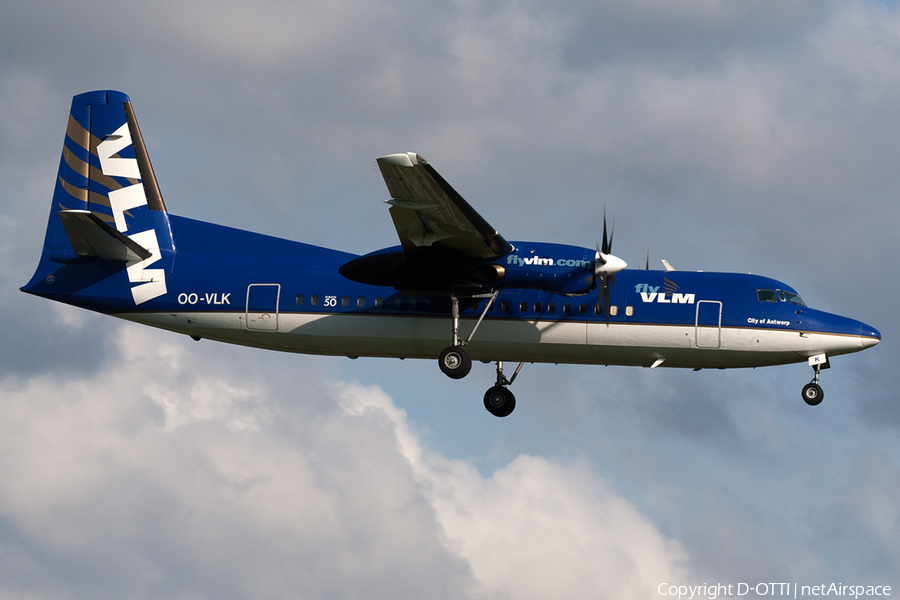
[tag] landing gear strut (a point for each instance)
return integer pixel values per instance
(454, 360)
(812, 391)
(456, 363)
(498, 400)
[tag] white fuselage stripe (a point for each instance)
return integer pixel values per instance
(402, 336)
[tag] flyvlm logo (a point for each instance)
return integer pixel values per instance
(151, 282)
(668, 295)
(543, 261)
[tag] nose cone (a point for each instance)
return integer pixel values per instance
(869, 335)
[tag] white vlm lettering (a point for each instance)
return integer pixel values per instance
(663, 298)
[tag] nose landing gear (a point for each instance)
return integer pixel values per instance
(812, 391)
(813, 394)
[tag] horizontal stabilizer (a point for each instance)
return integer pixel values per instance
(90, 236)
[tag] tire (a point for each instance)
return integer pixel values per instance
(455, 362)
(499, 401)
(813, 394)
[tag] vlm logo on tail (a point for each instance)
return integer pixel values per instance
(151, 282)
(107, 207)
(668, 295)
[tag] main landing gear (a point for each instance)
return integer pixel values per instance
(455, 362)
(498, 400)
(812, 391)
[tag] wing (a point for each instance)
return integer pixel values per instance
(427, 212)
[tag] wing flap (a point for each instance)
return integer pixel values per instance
(90, 236)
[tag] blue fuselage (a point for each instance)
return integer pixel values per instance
(240, 287)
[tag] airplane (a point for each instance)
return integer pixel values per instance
(454, 289)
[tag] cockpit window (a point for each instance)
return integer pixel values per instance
(766, 296)
(780, 295)
(794, 299)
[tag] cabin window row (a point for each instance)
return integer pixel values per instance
(316, 300)
(473, 305)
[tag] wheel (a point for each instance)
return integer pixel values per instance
(813, 394)
(499, 401)
(455, 362)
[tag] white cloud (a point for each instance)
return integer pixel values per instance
(536, 529)
(184, 474)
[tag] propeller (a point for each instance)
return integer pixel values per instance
(606, 265)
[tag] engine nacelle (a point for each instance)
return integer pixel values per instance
(556, 268)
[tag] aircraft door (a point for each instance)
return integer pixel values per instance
(708, 324)
(262, 306)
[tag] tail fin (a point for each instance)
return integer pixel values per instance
(106, 203)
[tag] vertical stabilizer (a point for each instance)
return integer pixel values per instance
(105, 168)
(106, 205)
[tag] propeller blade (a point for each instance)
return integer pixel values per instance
(604, 261)
(606, 248)
(606, 265)
(606, 300)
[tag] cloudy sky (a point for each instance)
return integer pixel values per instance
(745, 135)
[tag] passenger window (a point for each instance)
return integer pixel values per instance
(567, 308)
(314, 300)
(361, 302)
(537, 307)
(504, 306)
(378, 302)
(613, 310)
(551, 307)
(582, 309)
(598, 309)
(345, 301)
(523, 307)
(299, 299)
(766, 296)
(398, 302)
(629, 311)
